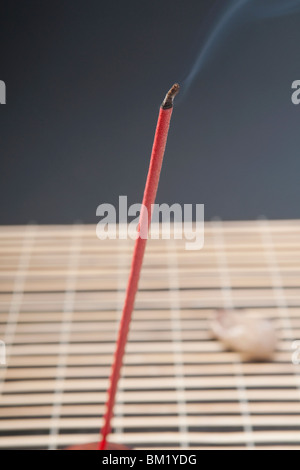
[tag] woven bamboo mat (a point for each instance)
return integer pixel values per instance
(61, 293)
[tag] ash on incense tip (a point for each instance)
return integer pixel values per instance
(169, 98)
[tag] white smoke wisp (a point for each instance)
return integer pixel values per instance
(235, 13)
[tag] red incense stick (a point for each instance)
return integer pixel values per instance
(160, 140)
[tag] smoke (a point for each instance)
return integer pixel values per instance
(275, 8)
(232, 13)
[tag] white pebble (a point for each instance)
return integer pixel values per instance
(254, 338)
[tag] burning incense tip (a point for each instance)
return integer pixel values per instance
(168, 101)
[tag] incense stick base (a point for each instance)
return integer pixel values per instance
(95, 446)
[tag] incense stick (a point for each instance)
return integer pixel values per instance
(158, 149)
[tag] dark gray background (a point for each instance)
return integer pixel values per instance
(84, 83)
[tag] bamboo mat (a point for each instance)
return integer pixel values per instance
(61, 293)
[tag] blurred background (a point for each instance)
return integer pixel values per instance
(85, 80)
